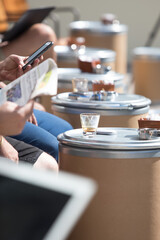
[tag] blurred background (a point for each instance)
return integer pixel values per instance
(139, 15)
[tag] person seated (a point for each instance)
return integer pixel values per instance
(12, 120)
(42, 128)
(29, 40)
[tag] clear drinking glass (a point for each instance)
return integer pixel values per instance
(80, 85)
(89, 123)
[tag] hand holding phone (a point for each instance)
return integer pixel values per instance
(37, 54)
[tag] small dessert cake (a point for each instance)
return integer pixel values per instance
(101, 85)
(149, 123)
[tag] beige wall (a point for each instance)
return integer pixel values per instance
(139, 15)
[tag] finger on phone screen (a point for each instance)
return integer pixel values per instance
(28, 67)
(41, 58)
(36, 62)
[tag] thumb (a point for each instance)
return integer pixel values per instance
(26, 110)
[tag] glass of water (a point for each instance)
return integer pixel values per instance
(89, 123)
(80, 85)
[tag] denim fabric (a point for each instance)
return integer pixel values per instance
(44, 136)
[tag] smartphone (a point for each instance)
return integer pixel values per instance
(37, 54)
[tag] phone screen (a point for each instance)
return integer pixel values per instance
(37, 54)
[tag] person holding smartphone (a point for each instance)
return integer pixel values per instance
(13, 118)
(30, 39)
(42, 128)
(37, 54)
(11, 67)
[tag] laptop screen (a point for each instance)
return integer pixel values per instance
(26, 211)
(38, 204)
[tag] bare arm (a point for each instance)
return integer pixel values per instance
(13, 117)
(7, 150)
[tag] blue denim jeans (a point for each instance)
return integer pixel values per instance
(44, 136)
